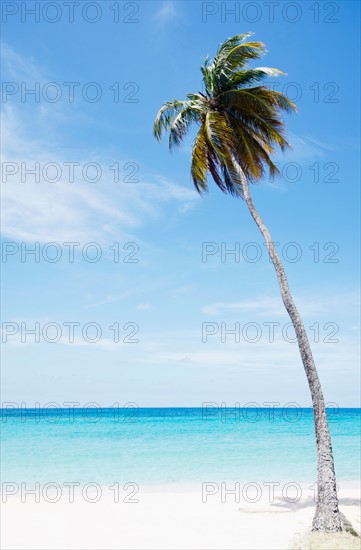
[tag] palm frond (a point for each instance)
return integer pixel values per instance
(221, 141)
(276, 99)
(230, 186)
(259, 100)
(199, 166)
(231, 59)
(218, 132)
(207, 79)
(253, 151)
(240, 55)
(232, 178)
(247, 77)
(215, 169)
(165, 117)
(267, 128)
(181, 124)
(231, 43)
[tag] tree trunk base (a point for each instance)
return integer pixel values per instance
(327, 520)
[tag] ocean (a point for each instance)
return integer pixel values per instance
(172, 445)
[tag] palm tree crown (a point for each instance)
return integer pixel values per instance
(238, 120)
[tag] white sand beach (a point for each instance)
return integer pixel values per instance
(169, 518)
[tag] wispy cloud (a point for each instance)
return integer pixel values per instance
(166, 12)
(69, 208)
(260, 306)
(185, 349)
(308, 148)
(305, 148)
(19, 67)
(273, 306)
(142, 307)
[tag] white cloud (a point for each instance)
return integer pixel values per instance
(166, 12)
(262, 354)
(142, 307)
(19, 67)
(66, 210)
(260, 306)
(296, 162)
(273, 306)
(308, 148)
(304, 148)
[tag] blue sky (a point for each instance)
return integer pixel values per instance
(169, 293)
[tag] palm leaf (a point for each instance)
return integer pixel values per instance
(181, 124)
(250, 76)
(199, 166)
(231, 43)
(165, 116)
(240, 55)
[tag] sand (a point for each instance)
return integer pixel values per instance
(169, 518)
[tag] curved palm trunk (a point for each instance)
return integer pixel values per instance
(327, 516)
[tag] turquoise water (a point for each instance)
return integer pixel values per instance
(175, 445)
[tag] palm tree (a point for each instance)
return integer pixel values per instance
(240, 126)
